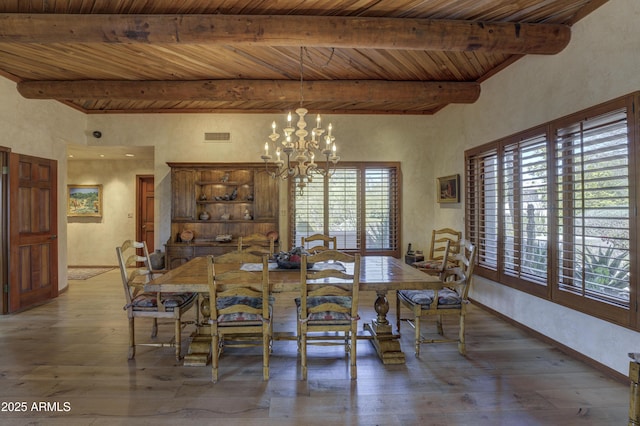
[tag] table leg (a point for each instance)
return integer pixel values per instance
(386, 343)
(199, 353)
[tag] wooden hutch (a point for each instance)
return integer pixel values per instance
(239, 199)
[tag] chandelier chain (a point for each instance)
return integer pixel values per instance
(296, 156)
(301, 78)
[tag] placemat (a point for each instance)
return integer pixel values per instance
(319, 266)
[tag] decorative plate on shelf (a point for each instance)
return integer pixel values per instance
(186, 235)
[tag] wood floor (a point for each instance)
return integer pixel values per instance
(70, 358)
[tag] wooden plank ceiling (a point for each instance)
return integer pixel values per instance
(358, 56)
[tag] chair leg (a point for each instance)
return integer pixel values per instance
(178, 339)
(416, 323)
(132, 339)
(303, 355)
(266, 348)
(397, 312)
(197, 303)
(353, 368)
(461, 343)
(154, 328)
(215, 354)
(439, 325)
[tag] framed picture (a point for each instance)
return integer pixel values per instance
(84, 200)
(449, 189)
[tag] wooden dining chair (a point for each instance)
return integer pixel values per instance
(444, 242)
(141, 304)
(326, 243)
(247, 255)
(450, 299)
(439, 266)
(328, 306)
(241, 311)
(258, 242)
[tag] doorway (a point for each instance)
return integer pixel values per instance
(144, 210)
(4, 228)
(33, 227)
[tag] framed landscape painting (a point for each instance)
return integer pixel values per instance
(84, 200)
(449, 189)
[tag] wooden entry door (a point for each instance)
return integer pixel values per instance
(33, 225)
(144, 210)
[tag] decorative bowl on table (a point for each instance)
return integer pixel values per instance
(292, 259)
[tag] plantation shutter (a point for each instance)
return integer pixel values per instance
(482, 207)
(592, 192)
(525, 201)
(381, 209)
(359, 205)
(309, 211)
(344, 211)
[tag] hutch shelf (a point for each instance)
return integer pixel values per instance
(217, 200)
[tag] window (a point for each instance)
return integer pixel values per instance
(482, 208)
(359, 205)
(551, 210)
(592, 192)
(525, 208)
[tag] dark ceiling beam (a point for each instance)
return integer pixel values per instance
(310, 31)
(255, 90)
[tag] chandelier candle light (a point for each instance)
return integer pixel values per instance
(301, 153)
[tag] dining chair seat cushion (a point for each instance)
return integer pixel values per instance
(244, 317)
(447, 298)
(428, 264)
(149, 301)
(327, 316)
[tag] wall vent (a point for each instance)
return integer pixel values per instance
(217, 137)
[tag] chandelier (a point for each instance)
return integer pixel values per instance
(296, 156)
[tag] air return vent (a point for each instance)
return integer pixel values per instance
(217, 137)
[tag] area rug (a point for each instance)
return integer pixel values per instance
(85, 273)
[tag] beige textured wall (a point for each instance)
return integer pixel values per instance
(92, 240)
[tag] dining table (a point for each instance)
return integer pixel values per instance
(380, 274)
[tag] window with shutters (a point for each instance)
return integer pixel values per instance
(552, 210)
(593, 224)
(482, 208)
(359, 205)
(525, 199)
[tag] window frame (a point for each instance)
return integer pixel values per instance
(396, 215)
(553, 290)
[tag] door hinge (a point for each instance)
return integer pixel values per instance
(5, 170)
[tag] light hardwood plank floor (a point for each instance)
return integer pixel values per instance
(73, 352)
